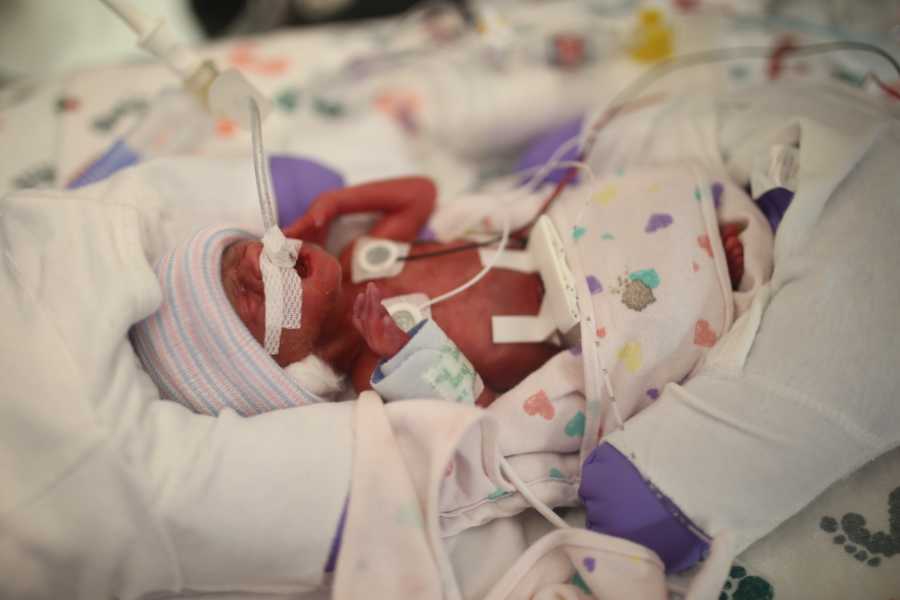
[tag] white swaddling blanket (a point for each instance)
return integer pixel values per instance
(108, 491)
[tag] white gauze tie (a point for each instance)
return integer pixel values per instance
(281, 283)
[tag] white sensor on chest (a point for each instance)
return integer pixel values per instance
(375, 258)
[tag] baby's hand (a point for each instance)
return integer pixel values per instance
(373, 322)
(734, 251)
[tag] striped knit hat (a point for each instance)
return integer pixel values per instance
(195, 346)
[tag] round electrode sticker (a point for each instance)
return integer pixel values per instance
(375, 258)
(378, 256)
(405, 315)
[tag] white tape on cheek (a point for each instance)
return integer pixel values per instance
(282, 286)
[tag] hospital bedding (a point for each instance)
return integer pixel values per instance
(59, 127)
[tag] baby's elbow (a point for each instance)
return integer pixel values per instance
(425, 191)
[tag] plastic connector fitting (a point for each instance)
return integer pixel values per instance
(228, 96)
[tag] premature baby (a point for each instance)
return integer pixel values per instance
(200, 354)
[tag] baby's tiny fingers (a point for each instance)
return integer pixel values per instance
(372, 301)
(357, 304)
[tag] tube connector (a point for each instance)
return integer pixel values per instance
(224, 94)
(229, 95)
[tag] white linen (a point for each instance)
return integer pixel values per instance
(107, 491)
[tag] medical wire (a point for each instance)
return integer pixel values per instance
(528, 187)
(480, 275)
(494, 240)
(533, 500)
(555, 157)
(504, 239)
(705, 57)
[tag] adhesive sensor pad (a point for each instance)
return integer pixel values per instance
(375, 258)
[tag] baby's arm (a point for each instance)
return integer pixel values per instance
(405, 205)
(384, 338)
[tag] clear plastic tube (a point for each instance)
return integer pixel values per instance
(267, 207)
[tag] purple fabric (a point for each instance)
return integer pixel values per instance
(540, 150)
(297, 182)
(620, 502)
(427, 233)
(774, 203)
(336, 542)
(119, 156)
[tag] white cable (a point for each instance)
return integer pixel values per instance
(553, 162)
(523, 189)
(533, 500)
(612, 397)
(577, 164)
(494, 260)
(504, 239)
(707, 57)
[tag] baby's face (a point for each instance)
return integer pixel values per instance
(320, 275)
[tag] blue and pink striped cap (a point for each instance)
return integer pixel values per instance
(195, 347)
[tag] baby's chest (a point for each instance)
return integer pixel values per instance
(466, 317)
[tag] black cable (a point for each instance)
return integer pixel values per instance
(449, 250)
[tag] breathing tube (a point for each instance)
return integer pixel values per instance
(228, 94)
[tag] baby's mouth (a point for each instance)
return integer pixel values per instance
(303, 266)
